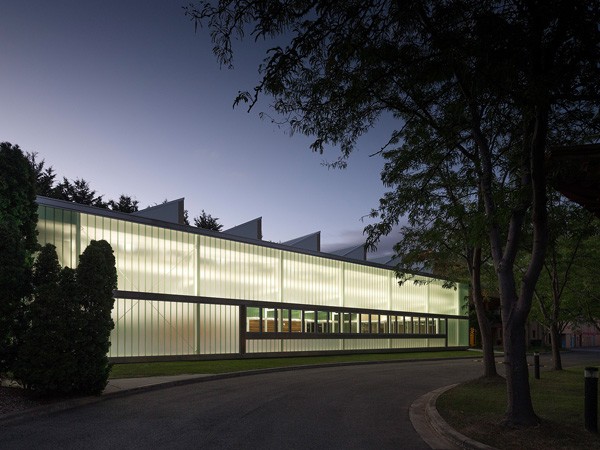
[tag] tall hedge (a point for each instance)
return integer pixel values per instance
(64, 349)
(96, 279)
(18, 220)
(46, 359)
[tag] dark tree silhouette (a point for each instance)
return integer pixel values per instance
(208, 222)
(96, 280)
(44, 176)
(78, 191)
(46, 360)
(18, 242)
(471, 72)
(125, 204)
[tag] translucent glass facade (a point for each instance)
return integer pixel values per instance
(153, 258)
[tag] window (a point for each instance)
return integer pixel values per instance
(364, 324)
(383, 324)
(374, 323)
(252, 320)
(331, 323)
(346, 322)
(400, 327)
(309, 322)
(355, 323)
(334, 322)
(408, 325)
(323, 322)
(283, 320)
(268, 322)
(296, 321)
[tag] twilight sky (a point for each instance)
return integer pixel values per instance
(124, 94)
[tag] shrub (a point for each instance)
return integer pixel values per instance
(96, 280)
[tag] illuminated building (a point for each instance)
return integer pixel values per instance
(188, 293)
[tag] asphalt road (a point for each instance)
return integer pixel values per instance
(342, 407)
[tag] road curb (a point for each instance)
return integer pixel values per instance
(424, 411)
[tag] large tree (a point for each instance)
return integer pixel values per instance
(18, 242)
(561, 301)
(445, 231)
(335, 67)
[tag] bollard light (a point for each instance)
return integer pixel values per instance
(591, 399)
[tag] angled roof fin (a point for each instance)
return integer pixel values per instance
(172, 212)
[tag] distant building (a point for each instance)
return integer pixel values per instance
(189, 293)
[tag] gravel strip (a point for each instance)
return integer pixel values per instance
(14, 399)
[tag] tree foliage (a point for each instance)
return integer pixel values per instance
(65, 346)
(44, 176)
(78, 191)
(125, 204)
(208, 222)
(561, 301)
(96, 279)
(18, 241)
(491, 81)
(46, 361)
(446, 225)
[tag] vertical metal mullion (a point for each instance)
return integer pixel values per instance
(242, 329)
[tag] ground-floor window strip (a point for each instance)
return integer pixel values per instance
(154, 325)
(310, 322)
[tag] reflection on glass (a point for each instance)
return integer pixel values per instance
(383, 324)
(400, 325)
(323, 322)
(334, 322)
(364, 324)
(296, 321)
(268, 319)
(423, 325)
(283, 320)
(442, 327)
(355, 323)
(309, 322)
(346, 325)
(408, 325)
(253, 320)
(374, 323)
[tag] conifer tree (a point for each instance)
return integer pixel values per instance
(45, 361)
(18, 219)
(96, 280)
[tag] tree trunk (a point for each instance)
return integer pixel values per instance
(519, 411)
(555, 341)
(487, 346)
(485, 327)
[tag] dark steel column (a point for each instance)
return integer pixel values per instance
(242, 327)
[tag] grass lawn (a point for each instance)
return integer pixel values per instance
(477, 408)
(237, 365)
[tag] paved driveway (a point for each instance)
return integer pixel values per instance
(342, 407)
